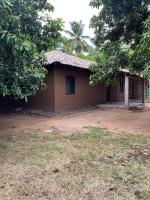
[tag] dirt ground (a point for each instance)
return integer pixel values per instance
(113, 120)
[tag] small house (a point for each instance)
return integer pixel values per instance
(68, 86)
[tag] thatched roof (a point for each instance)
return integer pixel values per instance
(65, 59)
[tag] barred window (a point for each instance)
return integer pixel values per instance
(70, 85)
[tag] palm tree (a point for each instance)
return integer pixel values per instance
(67, 46)
(77, 38)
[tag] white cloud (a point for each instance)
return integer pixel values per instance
(74, 10)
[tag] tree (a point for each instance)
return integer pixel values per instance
(119, 20)
(140, 57)
(24, 35)
(88, 56)
(66, 46)
(109, 59)
(77, 39)
(119, 33)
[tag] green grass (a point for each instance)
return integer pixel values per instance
(80, 166)
(3, 148)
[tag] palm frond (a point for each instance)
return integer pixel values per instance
(69, 33)
(86, 37)
(77, 39)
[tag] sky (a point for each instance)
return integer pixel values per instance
(74, 10)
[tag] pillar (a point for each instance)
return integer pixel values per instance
(143, 91)
(126, 92)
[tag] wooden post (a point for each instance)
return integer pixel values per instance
(143, 91)
(126, 92)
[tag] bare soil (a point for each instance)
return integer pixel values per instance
(136, 121)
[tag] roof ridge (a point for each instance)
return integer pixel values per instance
(65, 54)
(66, 59)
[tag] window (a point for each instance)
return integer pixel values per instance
(70, 85)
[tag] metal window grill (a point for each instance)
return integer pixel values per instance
(121, 88)
(136, 90)
(147, 91)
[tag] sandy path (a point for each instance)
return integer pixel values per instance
(114, 120)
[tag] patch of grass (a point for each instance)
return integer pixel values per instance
(146, 194)
(54, 148)
(115, 158)
(3, 181)
(4, 148)
(92, 164)
(25, 191)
